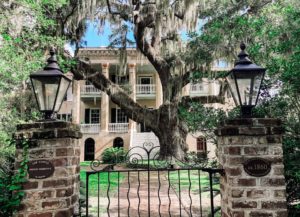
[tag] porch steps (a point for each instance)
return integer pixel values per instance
(143, 140)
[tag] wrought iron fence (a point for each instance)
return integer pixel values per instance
(143, 185)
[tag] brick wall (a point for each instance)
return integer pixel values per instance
(244, 195)
(57, 195)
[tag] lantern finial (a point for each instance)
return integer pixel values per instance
(243, 46)
(52, 60)
(52, 51)
(243, 56)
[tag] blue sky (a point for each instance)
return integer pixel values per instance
(94, 39)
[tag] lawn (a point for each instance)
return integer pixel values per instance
(103, 180)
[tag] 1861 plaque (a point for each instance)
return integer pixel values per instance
(40, 169)
(257, 167)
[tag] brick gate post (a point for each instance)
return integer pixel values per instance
(52, 187)
(250, 151)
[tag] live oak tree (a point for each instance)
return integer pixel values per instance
(157, 28)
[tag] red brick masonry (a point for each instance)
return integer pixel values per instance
(57, 195)
(244, 195)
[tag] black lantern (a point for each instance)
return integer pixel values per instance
(50, 86)
(245, 82)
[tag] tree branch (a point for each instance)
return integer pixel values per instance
(132, 109)
(124, 16)
(203, 99)
(159, 63)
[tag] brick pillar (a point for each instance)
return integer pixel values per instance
(57, 143)
(244, 195)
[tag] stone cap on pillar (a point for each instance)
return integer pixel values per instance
(48, 130)
(250, 127)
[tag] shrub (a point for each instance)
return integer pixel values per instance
(113, 155)
(11, 192)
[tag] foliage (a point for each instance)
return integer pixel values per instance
(113, 155)
(11, 181)
(287, 110)
(202, 119)
(271, 34)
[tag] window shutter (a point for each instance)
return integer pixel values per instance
(87, 116)
(113, 115)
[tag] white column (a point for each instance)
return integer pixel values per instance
(105, 102)
(159, 93)
(76, 102)
(132, 81)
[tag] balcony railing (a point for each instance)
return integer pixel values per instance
(118, 127)
(198, 89)
(89, 90)
(90, 128)
(144, 89)
(125, 87)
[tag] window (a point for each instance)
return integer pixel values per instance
(92, 116)
(201, 144)
(89, 149)
(118, 142)
(119, 79)
(95, 116)
(197, 87)
(145, 80)
(64, 117)
(118, 116)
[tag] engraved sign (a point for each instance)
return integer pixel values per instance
(257, 167)
(40, 169)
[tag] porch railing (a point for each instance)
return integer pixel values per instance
(90, 128)
(89, 89)
(144, 89)
(118, 127)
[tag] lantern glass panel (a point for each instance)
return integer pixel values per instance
(45, 91)
(233, 88)
(248, 86)
(63, 87)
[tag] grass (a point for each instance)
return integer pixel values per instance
(85, 163)
(102, 181)
(112, 183)
(192, 182)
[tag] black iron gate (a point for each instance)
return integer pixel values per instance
(141, 185)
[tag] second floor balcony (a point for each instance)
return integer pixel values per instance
(90, 128)
(89, 91)
(118, 127)
(205, 88)
(146, 90)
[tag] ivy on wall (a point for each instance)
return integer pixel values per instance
(11, 182)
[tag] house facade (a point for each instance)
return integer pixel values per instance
(104, 123)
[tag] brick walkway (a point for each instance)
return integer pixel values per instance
(138, 203)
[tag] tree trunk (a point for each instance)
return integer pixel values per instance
(171, 132)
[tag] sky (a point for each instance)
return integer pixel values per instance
(93, 39)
